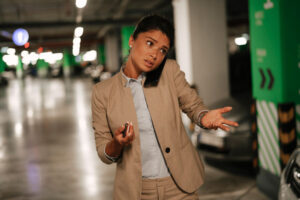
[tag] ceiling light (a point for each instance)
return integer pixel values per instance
(80, 3)
(78, 31)
(90, 55)
(76, 40)
(240, 41)
(76, 46)
(11, 51)
(75, 52)
(11, 60)
(24, 53)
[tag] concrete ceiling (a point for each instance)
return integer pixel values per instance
(51, 23)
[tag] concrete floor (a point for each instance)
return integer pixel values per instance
(47, 149)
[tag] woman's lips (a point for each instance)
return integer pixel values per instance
(148, 63)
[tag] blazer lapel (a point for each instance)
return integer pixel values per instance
(154, 99)
(127, 107)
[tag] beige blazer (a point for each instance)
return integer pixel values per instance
(112, 106)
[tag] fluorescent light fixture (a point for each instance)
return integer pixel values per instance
(75, 52)
(76, 45)
(11, 51)
(45, 55)
(26, 59)
(78, 31)
(54, 58)
(76, 40)
(24, 53)
(11, 60)
(240, 41)
(58, 56)
(51, 57)
(34, 56)
(90, 55)
(80, 3)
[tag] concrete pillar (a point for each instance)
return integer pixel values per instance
(201, 46)
(112, 50)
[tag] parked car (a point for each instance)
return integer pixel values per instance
(235, 145)
(290, 178)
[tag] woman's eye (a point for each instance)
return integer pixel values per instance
(163, 51)
(149, 43)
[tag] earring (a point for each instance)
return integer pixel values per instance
(130, 46)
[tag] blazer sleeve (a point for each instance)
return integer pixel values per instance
(189, 101)
(101, 128)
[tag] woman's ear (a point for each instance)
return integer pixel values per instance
(131, 41)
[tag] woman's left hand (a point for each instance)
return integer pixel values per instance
(214, 119)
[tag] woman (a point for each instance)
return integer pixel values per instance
(155, 158)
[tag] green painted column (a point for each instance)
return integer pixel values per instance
(275, 49)
(42, 68)
(275, 59)
(298, 123)
(101, 54)
(68, 63)
(126, 32)
(19, 68)
(2, 64)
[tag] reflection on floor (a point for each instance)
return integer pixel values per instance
(47, 148)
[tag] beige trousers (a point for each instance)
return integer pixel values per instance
(164, 189)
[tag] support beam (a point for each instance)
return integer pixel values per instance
(115, 22)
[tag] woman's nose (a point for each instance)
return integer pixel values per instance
(154, 54)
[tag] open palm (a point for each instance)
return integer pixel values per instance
(214, 119)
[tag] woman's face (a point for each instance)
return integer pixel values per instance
(148, 50)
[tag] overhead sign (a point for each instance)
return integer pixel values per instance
(20, 36)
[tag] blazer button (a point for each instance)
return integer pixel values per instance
(168, 149)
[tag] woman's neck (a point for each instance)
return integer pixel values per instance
(130, 70)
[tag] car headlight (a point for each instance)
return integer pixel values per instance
(292, 175)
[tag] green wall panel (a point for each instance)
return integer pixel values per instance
(126, 32)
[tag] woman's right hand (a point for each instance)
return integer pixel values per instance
(129, 137)
(114, 147)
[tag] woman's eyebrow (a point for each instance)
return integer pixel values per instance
(156, 42)
(151, 38)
